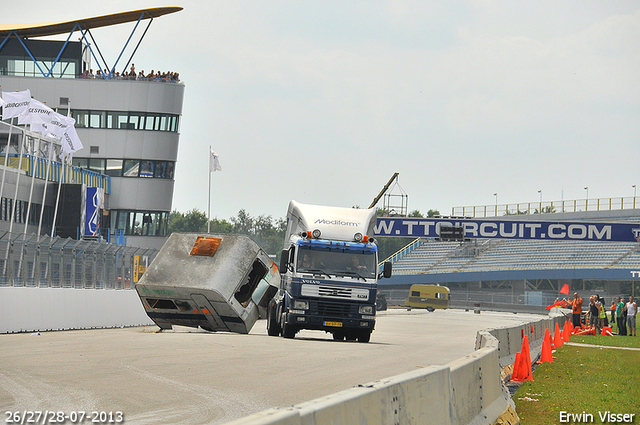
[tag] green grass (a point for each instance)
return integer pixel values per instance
(583, 379)
(615, 341)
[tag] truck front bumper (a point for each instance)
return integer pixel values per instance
(330, 324)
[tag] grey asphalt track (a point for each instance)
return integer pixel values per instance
(188, 376)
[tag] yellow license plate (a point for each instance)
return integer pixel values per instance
(334, 324)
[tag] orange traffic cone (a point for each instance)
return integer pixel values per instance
(523, 360)
(517, 367)
(566, 332)
(546, 355)
(557, 340)
(606, 331)
(585, 331)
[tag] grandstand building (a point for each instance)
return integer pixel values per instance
(498, 273)
(128, 124)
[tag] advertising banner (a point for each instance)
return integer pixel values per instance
(510, 229)
(94, 206)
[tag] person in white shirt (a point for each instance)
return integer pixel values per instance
(632, 310)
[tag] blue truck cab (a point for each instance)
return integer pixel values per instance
(328, 274)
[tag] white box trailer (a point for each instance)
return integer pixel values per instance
(216, 282)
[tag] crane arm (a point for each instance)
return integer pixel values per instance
(384, 189)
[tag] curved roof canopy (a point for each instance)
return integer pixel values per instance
(55, 28)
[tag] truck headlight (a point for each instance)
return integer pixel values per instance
(365, 309)
(301, 305)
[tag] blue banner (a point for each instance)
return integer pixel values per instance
(94, 205)
(510, 229)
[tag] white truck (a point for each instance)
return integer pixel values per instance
(328, 273)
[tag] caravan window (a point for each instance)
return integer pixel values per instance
(258, 272)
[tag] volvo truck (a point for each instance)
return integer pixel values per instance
(328, 273)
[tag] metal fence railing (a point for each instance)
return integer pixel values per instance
(596, 204)
(46, 262)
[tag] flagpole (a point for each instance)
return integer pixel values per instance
(209, 197)
(46, 181)
(6, 157)
(15, 195)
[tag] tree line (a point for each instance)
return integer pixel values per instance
(268, 232)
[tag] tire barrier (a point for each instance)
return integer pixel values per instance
(469, 390)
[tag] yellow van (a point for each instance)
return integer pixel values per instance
(428, 296)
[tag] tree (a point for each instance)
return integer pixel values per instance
(195, 221)
(243, 223)
(192, 221)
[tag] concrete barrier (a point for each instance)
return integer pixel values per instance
(469, 390)
(44, 309)
(416, 397)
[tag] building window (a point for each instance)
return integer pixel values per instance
(96, 165)
(114, 167)
(150, 121)
(146, 168)
(131, 168)
(140, 223)
(128, 167)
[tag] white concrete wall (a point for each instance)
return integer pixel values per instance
(42, 309)
(467, 391)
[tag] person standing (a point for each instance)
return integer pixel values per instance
(622, 325)
(576, 304)
(632, 310)
(613, 312)
(602, 314)
(594, 314)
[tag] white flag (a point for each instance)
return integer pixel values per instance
(15, 103)
(214, 163)
(70, 141)
(37, 113)
(59, 124)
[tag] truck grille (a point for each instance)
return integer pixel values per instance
(338, 292)
(334, 309)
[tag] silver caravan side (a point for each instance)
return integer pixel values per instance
(216, 282)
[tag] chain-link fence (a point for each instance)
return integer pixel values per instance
(42, 261)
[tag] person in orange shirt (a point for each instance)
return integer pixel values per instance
(576, 303)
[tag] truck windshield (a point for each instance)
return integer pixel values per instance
(340, 262)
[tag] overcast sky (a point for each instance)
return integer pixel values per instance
(322, 101)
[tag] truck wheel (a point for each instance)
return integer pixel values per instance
(352, 336)
(273, 328)
(288, 331)
(338, 336)
(364, 336)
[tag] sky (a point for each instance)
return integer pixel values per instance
(471, 102)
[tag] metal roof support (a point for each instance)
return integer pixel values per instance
(137, 45)
(6, 39)
(29, 52)
(126, 44)
(64, 46)
(95, 43)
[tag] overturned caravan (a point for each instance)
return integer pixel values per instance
(216, 282)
